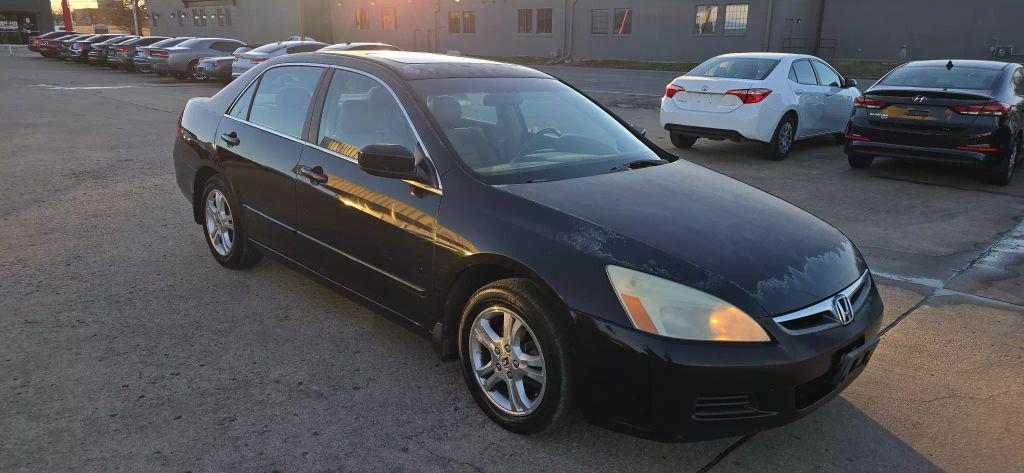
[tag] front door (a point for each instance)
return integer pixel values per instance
(371, 234)
(258, 146)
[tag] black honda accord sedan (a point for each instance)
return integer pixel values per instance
(962, 112)
(564, 259)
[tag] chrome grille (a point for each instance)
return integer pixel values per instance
(820, 316)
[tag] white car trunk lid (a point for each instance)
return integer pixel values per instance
(708, 94)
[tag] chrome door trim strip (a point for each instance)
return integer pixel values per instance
(417, 289)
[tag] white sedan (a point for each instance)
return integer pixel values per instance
(773, 98)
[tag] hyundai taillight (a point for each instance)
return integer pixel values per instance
(750, 95)
(992, 109)
(671, 89)
(864, 102)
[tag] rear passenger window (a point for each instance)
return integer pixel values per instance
(241, 108)
(360, 111)
(1018, 81)
(802, 73)
(282, 98)
(305, 48)
(826, 75)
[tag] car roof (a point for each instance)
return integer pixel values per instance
(356, 45)
(976, 63)
(416, 65)
(767, 55)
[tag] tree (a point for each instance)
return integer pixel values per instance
(119, 12)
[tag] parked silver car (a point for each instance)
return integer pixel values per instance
(252, 58)
(181, 60)
(142, 59)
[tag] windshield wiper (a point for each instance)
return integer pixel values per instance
(640, 163)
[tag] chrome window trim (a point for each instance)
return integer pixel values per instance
(822, 306)
(419, 140)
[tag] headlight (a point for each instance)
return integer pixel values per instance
(663, 307)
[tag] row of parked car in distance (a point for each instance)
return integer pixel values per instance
(961, 112)
(183, 57)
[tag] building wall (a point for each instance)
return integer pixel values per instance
(38, 10)
(252, 21)
(878, 29)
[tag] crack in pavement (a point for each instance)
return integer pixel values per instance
(724, 453)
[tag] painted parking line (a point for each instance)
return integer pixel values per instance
(88, 87)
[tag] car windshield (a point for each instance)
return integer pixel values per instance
(939, 77)
(269, 48)
(728, 67)
(513, 130)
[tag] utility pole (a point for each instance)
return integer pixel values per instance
(135, 17)
(67, 15)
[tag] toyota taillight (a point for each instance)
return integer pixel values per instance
(864, 102)
(750, 95)
(992, 109)
(671, 89)
(257, 60)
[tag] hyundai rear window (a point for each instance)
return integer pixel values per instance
(939, 77)
(735, 68)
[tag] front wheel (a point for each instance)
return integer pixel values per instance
(782, 140)
(515, 357)
(860, 162)
(682, 141)
(222, 229)
(1004, 174)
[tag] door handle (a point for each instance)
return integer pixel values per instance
(231, 138)
(315, 174)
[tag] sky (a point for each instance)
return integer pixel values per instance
(74, 4)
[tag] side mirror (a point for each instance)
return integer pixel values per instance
(393, 161)
(639, 129)
(849, 82)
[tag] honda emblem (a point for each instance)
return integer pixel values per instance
(842, 310)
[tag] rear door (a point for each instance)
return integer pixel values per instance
(838, 104)
(810, 98)
(259, 147)
(371, 234)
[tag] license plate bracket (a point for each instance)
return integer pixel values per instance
(854, 361)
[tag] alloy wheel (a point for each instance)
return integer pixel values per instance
(507, 361)
(220, 225)
(785, 137)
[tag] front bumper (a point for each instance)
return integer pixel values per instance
(673, 390)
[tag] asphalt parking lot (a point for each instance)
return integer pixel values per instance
(125, 347)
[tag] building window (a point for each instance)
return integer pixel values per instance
(707, 19)
(202, 17)
(598, 21)
(454, 22)
(227, 16)
(469, 22)
(220, 17)
(623, 21)
(544, 20)
(525, 21)
(362, 19)
(736, 18)
(387, 18)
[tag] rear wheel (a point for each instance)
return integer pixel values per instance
(860, 162)
(782, 140)
(222, 230)
(682, 141)
(1004, 174)
(515, 357)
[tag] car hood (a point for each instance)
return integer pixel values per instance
(781, 256)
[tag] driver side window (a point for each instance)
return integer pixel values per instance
(360, 111)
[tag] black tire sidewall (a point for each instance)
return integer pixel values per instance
(522, 298)
(773, 147)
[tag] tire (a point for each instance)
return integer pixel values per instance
(540, 337)
(234, 250)
(682, 141)
(782, 140)
(860, 161)
(191, 73)
(1004, 174)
